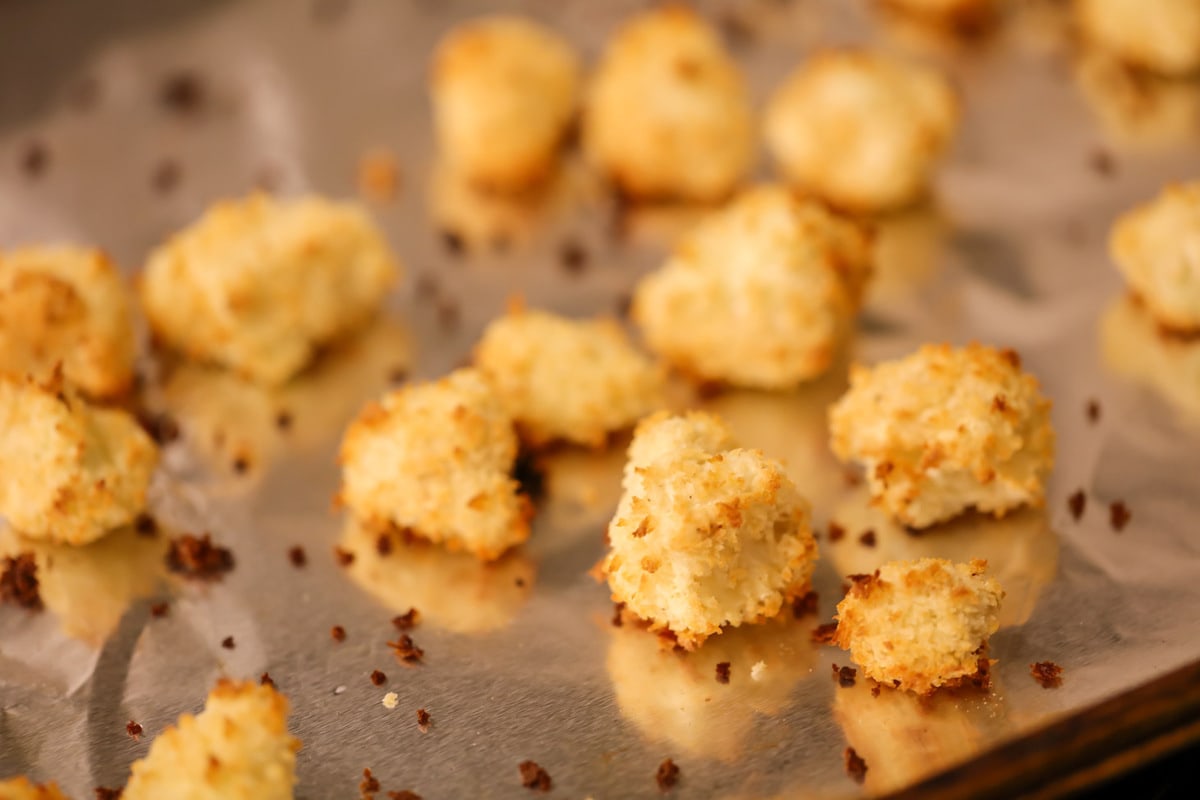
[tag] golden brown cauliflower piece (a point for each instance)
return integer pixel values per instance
(1159, 35)
(23, 789)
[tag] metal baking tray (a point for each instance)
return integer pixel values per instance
(122, 121)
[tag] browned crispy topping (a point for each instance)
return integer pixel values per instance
(1077, 502)
(145, 525)
(166, 175)
(283, 420)
(667, 775)
(867, 538)
(723, 672)
(337, 633)
(844, 676)
(1047, 673)
(266, 680)
(823, 634)
(104, 793)
(856, 768)
(344, 557)
(423, 719)
(19, 582)
(534, 777)
(803, 606)
(297, 556)
(406, 650)
(198, 557)
(407, 621)
(383, 545)
(133, 729)
(1093, 411)
(160, 609)
(182, 92)
(228, 643)
(836, 532)
(368, 785)
(1000, 403)
(1119, 515)
(573, 257)
(378, 678)
(34, 159)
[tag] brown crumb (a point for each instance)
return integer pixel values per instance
(241, 465)
(667, 775)
(145, 525)
(1047, 673)
(160, 610)
(723, 672)
(852, 477)
(1119, 515)
(1077, 502)
(1102, 163)
(738, 32)
(283, 420)
(34, 159)
(520, 582)
(166, 175)
(133, 729)
(573, 257)
(803, 606)
(398, 374)
(383, 545)
(867, 539)
(19, 582)
(534, 777)
(406, 650)
(182, 93)
(1093, 411)
(297, 556)
(823, 634)
(160, 427)
(836, 532)
(338, 633)
(844, 676)
(198, 557)
(344, 557)
(423, 719)
(378, 678)
(618, 614)
(368, 784)
(875, 689)
(105, 793)
(453, 241)
(403, 794)
(407, 621)
(228, 643)
(266, 680)
(856, 768)
(378, 176)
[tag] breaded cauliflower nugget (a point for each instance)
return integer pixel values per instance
(258, 285)
(760, 294)
(238, 748)
(861, 130)
(66, 306)
(1162, 36)
(23, 789)
(1157, 248)
(668, 115)
(966, 15)
(944, 430)
(69, 472)
(918, 625)
(567, 380)
(436, 460)
(706, 535)
(504, 94)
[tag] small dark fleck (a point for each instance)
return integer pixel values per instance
(1047, 673)
(723, 672)
(856, 768)
(844, 676)
(338, 633)
(145, 525)
(423, 719)
(403, 794)
(572, 257)
(1119, 515)
(534, 777)
(266, 680)
(823, 634)
(852, 478)
(344, 557)
(297, 556)
(803, 606)
(19, 582)
(104, 793)
(875, 689)
(1102, 163)
(867, 539)
(398, 374)
(283, 420)
(528, 472)
(520, 583)
(368, 784)
(737, 31)
(618, 613)
(160, 610)
(378, 678)
(407, 621)
(198, 557)
(667, 775)
(1093, 411)
(241, 465)
(228, 643)
(453, 241)
(182, 93)
(166, 176)
(406, 650)
(133, 729)
(162, 428)
(383, 544)
(836, 532)
(35, 159)
(1077, 502)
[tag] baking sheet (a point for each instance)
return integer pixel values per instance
(521, 659)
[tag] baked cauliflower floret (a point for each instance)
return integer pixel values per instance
(69, 472)
(66, 306)
(567, 380)
(436, 459)
(918, 625)
(24, 789)
(944, 430)
(704, 537)
(861, 130)
(258, 285)
(668, 115)
(760, 294)
(504, 94)
(238, 748)
(1159, 35)
(1157, 248)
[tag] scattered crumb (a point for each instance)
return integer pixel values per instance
(867, 539)
(403, 794)
(1077, 502)
(298, 556)
(1119, 515)
(133, 729)
(391, 700)
(19, 582)
(160, 609)
(161, 427)
(182, 92)
(1102, 163)
(338, 633)
(241, 465)
(406, 650)
(378, 677)
(145, 525)
(844, 676)
(757, 672)
(166, 175)
(407, 621)
(34, 159)
(803, 606)
(228, 643)
(1047, 673)
(266, 680)
(723, 672)
(423, 720)
(534, 777)
(667, 775)
(378, 176)
(344, 557)
(368, 784)
(398, 374)
(453, 241)
(618, 612)
(383, 545)
(572, 257)
(823, 634)
(1093, 411)
(875, 689)
(856, 768)
(198, 557)
(283, 420)
(836, 532)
